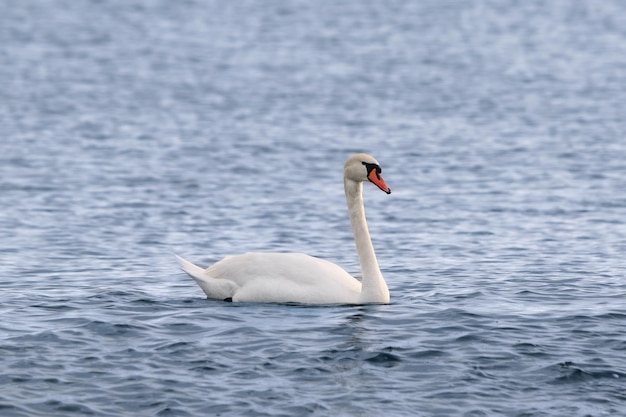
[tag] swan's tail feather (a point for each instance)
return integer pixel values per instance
(193, 270)
(213, 287)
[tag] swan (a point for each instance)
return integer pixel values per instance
(300, 278)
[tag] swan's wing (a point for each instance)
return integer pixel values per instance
(275, 277)
(286, 277)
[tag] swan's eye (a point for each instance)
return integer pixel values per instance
(372, 167)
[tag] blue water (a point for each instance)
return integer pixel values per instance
(131, 130)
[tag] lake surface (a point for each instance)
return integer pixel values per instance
(132, 130)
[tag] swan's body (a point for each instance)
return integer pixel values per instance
(300, 278)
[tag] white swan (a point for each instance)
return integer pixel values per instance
(300, 278)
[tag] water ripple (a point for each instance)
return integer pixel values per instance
(135, 129)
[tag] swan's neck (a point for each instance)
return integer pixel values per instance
(373, 289)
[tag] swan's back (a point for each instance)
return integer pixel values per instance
(286, 277)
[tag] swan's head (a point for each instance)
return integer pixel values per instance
(363, 167)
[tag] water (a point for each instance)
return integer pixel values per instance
(132, 130)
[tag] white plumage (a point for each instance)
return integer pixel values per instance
(300, 278)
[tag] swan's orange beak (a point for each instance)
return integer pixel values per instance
(377, 179)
